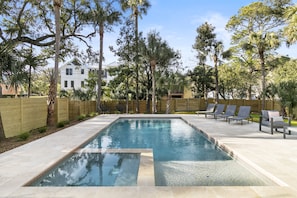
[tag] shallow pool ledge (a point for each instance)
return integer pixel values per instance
(146, 169)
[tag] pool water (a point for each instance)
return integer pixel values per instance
(170, 139)
(182, 156)
(94, 169)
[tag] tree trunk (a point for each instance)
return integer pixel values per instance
(216, 79)
(137, 67)
(51, 103)
(263, 73)
(99, 82)
(127, 95)
(29, 81)
(153, 65)
(249, 93)
(148, 101)
(168, 102)
(53, 83)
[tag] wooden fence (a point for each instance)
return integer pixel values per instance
(21, 115)
(182, 105)
(24, 114)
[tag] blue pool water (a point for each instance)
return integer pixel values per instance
(183, 156)
(94, 169)
(170, 139)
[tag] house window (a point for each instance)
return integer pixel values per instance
(68, 71)
(82, 71)
(82, 83)
(72, 83)
(65, 83)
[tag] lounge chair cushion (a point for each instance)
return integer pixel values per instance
(277, 118)
(272, 114)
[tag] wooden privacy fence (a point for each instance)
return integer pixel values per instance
(21, 115)
(182, 105)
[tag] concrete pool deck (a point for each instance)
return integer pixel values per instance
(271, 155)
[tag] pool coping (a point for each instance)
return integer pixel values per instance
(20, 164)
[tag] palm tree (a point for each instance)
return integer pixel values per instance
(138, 7)
(101, 14)
(157, 52)
(262, 42)
(54, 79)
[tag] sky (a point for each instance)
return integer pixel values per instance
(177, 21)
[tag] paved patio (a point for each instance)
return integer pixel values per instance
(271, 155)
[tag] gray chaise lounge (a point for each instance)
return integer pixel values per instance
(243, 114)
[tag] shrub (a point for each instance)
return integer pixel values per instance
(81, 117)
(42, 129)
(60, 124)
(24, 136)
(63, 123)
(93, 114)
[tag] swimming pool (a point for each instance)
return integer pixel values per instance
(93, 169)
(182, 155)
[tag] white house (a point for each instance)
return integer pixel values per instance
(74, 73)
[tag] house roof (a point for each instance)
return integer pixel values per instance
(75, 62)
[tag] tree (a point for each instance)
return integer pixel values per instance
(172, 82)
(202, 78)
(31, 22)
(241, 71)
(16, 76)
(256, 26)
(22, 19)
(288, 98)
(290, 30)
(53, 81)
(31, 62)
(102, 15)
(235, 80)
(157, 53)
(287, 72)
(206, 44)
(126, 53)
(40, 81)
(138, 7)
(118, 84)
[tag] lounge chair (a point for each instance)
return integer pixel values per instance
(273, 120)
(209, 109)
(230, 111)
(243, 114)
(219, 110)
